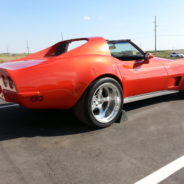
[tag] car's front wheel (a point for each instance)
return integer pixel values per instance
(101, 104)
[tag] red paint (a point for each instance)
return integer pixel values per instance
(59, 81)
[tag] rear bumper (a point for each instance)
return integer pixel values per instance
(9, 96)
(58, 99)
(12, 96)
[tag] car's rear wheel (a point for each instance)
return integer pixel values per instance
(181, 94)
(101, 104)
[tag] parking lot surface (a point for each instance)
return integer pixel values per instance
(52, 146)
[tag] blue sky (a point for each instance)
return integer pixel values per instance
(42, 21)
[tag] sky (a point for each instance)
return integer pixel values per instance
(41, 22)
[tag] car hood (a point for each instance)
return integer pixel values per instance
(16, 65)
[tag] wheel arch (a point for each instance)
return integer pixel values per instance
(110, 76)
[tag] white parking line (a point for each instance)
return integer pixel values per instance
(163, 172)
(10, 105)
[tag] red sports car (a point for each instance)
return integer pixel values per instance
(94, 78)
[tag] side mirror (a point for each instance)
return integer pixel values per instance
(148, 56)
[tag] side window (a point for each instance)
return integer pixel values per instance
(125, 51)
(63, 47)
(75, 44)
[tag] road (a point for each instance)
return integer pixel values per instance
(51, 146)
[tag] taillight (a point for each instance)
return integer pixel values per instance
(5, 81)
(10, 82)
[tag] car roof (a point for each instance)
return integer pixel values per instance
(124, 40)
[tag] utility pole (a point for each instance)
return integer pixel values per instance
(155, 25)
(7, 50)
(27, 46)
(61, 36)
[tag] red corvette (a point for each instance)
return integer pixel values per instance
(94, 79)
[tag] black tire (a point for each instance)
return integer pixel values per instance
(181, 94)
(83, 109)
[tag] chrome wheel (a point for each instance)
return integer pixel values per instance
(106, 102)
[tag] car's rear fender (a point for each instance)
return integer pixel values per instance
(61, 82)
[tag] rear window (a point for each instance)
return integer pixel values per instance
(63, 47)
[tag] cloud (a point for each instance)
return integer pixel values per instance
(87, 18)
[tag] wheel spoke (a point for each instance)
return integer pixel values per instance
(93, 106)
(99, 93)
(106, 99)
(101, 112)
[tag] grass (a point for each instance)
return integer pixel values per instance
(9, 57)
(166, 53)
(161, 53)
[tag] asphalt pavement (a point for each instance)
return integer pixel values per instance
(53, 147)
